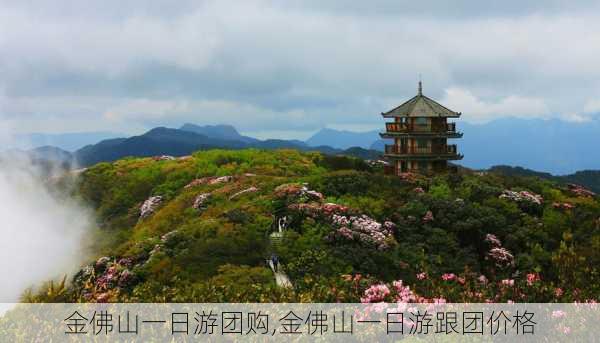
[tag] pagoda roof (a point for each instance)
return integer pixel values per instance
(421, 106)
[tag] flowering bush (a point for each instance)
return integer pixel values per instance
(580, 191)
(364, 230)
(522, 196)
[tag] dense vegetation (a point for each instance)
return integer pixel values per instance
(204, 232)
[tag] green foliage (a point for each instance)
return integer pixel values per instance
(217, 253)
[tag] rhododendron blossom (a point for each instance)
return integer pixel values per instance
(375, 293)
(532, 277)
(448, 276)
(522, 196)
(493, 240)
(364, 230)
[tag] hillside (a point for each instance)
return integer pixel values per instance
(190, 138)
(587, 178)
(201, 228)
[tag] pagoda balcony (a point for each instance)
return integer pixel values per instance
(429, 152)
(406, 128)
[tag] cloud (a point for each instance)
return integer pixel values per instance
(294, 65)
(478, 111)
(42, 234)
(592, 106)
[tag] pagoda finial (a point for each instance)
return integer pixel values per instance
(420, 88)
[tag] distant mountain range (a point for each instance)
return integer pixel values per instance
(586, 178)
(557, 147)
(175, 142)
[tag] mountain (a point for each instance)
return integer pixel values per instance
(65, 141)
(555, 146)
(343, 139)
(587, 178)
(225, 132)
(158, 141)
(201, 229)
(175, 142)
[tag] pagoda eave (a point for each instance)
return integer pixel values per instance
(424, 157)
(445, 115)
(420, 134)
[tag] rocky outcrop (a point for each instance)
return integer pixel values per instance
(200, 201)
(209, 180)
(163, 158)
(247, 190)
(150, 205)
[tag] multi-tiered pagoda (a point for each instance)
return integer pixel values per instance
(420, 131)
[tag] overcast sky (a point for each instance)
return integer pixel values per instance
(288, 68)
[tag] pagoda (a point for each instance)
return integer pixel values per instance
(420, 133)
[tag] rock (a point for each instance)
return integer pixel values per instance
(196, 182)
(247, 190)
(201, 200)
(221, 179)
(210, 180)
(150, 205)
(167, 236)
(163, 158)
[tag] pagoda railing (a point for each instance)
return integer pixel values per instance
(405, 127)
(429, 150)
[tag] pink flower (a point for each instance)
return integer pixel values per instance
(461, 280)
(558, 292)
(375, 293)
(508, 282)
(493, 240)
(448, 276)
(482, 279)
(422, 276)
(439, 300)
(532, 277)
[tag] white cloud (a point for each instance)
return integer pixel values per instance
(41, 234)
(576, 118)
(479, 111)
(592, 106)
(295, 66)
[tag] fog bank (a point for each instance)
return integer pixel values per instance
(41, 233)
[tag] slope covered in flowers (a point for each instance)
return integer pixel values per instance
(200, 229)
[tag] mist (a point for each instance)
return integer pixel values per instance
(41, 231)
